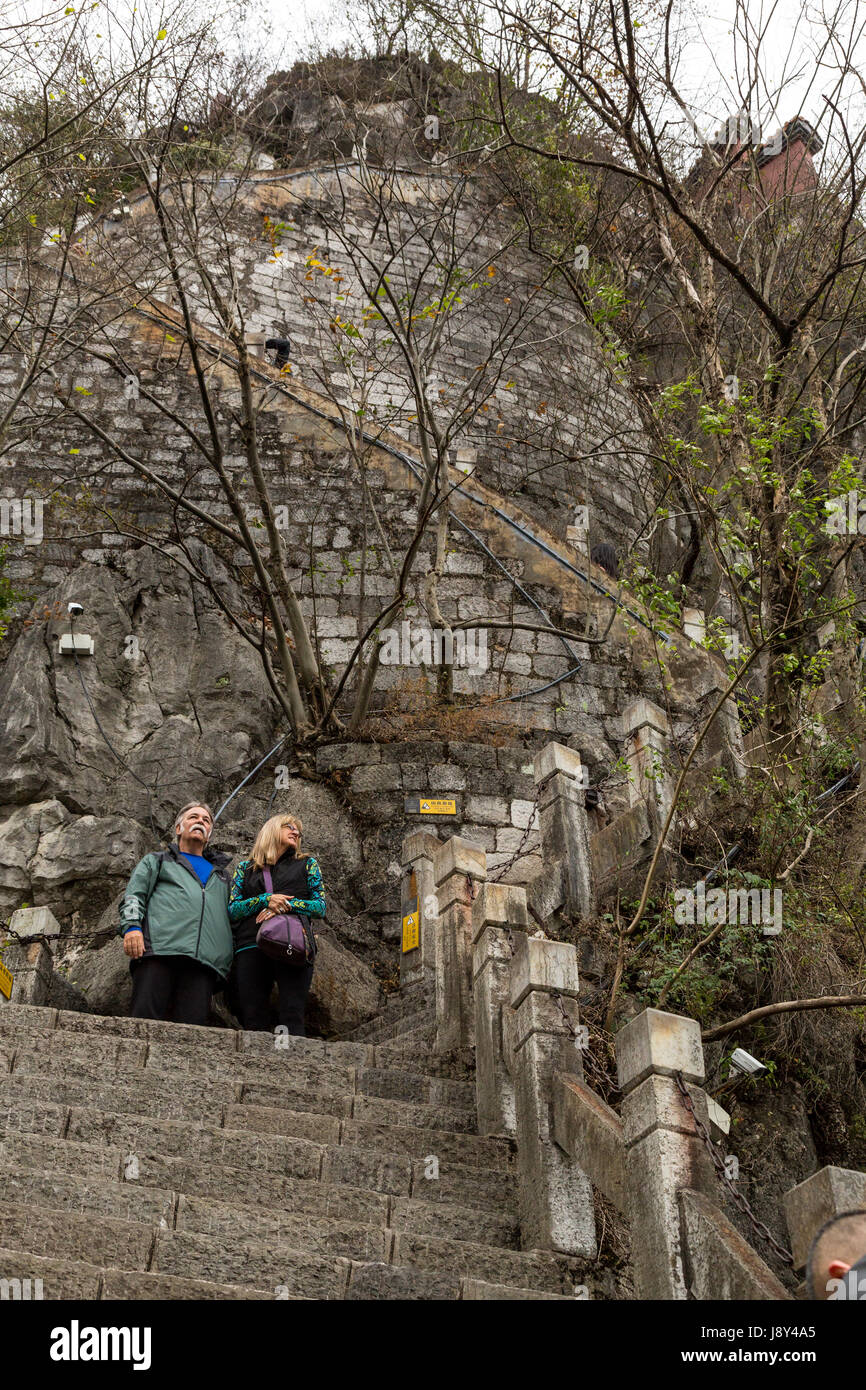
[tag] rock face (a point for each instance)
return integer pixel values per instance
(104, 979)
(170, 683)
(344, 992)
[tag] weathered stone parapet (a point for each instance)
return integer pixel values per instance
(719, 1263)
(498, 912)
(647, 730)
(556, 1203)
(418, 886)
(565, 831)
(591, 1132)
(664, 1152)
(458, 867)
(808, 1206)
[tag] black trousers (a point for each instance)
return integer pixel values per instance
(256, 975)
(176, 988)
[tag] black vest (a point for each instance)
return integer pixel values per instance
(289, 876)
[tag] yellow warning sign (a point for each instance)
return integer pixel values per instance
(5, 982)
(412, 929)
(438, 808)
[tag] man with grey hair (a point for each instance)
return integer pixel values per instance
(175, 924)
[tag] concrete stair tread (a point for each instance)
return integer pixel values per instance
(263, 1080)
(324, 1087)
(77, 1280)
(37, 1116)
(20, 1019)
(155, 1143)
(61, 1172)
(302, 1229)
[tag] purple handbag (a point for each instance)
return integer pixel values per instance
(284, 937)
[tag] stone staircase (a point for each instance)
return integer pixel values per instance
(412, 1010)
(153, 1160)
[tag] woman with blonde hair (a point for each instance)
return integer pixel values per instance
(275, 879)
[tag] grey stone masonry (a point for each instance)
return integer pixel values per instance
(419, 886)
(647, 731)
(556, 1203)
(498, 912)
(664, 1152)
(31, 968)
(561, 781)
(458, 868)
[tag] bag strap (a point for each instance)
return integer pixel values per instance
(268, 877)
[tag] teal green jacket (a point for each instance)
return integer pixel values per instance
(177, 914)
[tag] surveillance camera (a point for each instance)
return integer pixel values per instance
(75, 609)
(745, 1063)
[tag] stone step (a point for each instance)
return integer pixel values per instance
(82, 1236)
(121, 1201)
(415, 1052)
(467, 1149)
(75, 1280)
(18, 1020)
(389, 1083)
(382, 1030)
(388, 1158)
(302, 1229)
(313, 1232)
(477, 1289)
(399, 1175)
(168, 1288)
(70, 1279)
(398, 1006)
(260, 1264)
(456, 1222)
(299, 1084)
(41, 1166)
(355, 1183)
(217, 1051)
(535, 1269)
(408, 1114)
(399, 1283)
(402, 1282)
(133, 1092)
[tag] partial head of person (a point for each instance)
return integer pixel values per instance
(193, 826)
(277, 835)
(836, 1267)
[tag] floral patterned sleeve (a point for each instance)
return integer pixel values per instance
(240, 907)
(314, 905)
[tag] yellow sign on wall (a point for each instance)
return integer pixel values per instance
(5, 982)
(430, 806)
(412, 928)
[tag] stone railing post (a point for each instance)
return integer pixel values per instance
(725, 736)
(497, 913)
(565, 830)
(695, 625)
(811, 1204)
(418, 890)
(458, 867)
(556, 1203)
(27, 955)
(647, 729)
(664, 1152)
